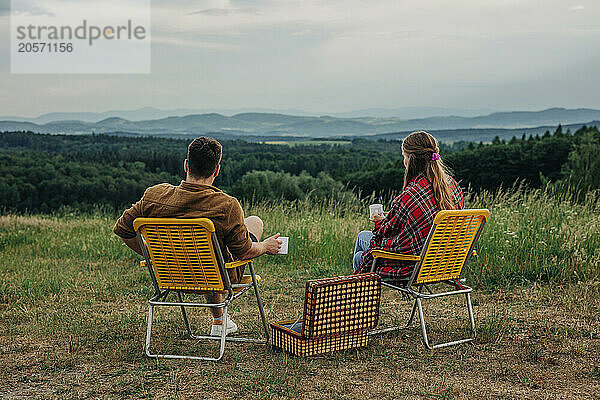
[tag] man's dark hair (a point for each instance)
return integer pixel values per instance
(204, 155)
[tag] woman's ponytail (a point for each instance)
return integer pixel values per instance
(422, 153)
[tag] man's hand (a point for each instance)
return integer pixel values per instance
(272, 244)
(268, 246)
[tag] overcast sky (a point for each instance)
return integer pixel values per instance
(340, 55)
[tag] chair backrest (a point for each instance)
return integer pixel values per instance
(450, 241)
(340, 305)
(183, 253)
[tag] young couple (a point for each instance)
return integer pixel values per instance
(428, 188)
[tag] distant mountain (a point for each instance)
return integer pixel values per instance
(486, 134)
(141, 114)
(275, 124)
(149, 113)
(412, 112)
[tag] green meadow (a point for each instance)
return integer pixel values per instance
(73, 312)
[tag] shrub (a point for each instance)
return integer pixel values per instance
(269, 185)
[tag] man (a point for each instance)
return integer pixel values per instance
(195, 197)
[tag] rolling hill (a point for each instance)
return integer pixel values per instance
(275, 124)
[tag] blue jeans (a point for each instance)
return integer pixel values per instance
(362, 244)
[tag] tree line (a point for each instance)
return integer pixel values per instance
(45, 172)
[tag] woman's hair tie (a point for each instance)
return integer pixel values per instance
(435, 157)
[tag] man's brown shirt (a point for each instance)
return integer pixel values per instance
(191, 200)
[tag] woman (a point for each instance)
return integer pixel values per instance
(428, 188)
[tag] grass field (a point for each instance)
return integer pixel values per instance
(73, 313)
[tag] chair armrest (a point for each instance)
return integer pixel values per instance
(235, 264)
(394, 256)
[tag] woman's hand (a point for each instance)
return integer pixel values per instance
(376, 217)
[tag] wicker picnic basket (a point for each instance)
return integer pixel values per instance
(338, 313)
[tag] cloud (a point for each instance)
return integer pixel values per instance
(302, 33)
(198, 44)
(342, 54)
(220, 12)
(23, 7)
(4, 7)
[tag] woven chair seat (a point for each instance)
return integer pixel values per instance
(246, 279)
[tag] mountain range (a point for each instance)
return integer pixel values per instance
(277, 124)
(147, 113)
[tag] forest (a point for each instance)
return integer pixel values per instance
(44, 173)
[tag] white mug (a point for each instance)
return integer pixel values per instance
(284, 244)
(375, 209)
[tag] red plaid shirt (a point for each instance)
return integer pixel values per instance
(406, 227)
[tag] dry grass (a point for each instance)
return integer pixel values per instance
(73, 314)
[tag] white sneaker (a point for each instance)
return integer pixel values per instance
(216, 330)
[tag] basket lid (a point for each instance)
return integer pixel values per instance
(339, 305)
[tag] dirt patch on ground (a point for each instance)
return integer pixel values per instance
(531, 345)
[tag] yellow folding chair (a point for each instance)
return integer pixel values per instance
(183, 257)
(448, 247)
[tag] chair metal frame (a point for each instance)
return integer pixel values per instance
(224, 285)
(431, 255)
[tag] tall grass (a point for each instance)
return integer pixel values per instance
(532, 236)
(536, 236)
